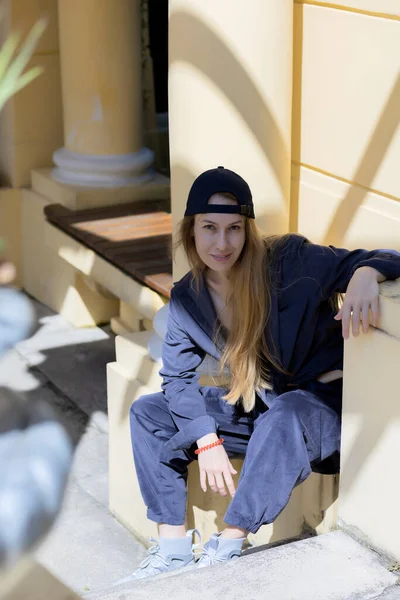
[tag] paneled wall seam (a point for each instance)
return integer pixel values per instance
(358, 11)
(344, 180)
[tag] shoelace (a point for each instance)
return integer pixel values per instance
(153, 553)
(146, 567)
(207, 554)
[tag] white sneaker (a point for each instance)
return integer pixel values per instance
(156, 562)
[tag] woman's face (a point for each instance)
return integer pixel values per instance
(219, 238)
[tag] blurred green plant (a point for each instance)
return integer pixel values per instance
(13, 62)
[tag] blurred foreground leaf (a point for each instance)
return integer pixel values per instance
(13, 62)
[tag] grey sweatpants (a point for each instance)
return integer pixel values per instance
(282, 444)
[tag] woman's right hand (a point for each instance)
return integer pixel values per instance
(215, 467)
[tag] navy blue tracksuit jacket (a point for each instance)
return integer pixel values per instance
(306, 337)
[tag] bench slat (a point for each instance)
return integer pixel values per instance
(125, 224)
(136, 245)
(136, 238)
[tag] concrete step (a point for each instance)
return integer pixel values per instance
(327, 567)
(133, 357)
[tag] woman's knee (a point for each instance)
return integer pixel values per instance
(302, 403)
(291, 407)
(146, 406)
(304, 410)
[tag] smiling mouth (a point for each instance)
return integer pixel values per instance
(221, 257)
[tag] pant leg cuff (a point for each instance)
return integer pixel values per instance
(167, 519)
(235, 520)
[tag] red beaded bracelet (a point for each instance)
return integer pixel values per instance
(203, 448)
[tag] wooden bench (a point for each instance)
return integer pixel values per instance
(136, 238)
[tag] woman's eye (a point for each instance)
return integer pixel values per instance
(235, 227)
(208, 226)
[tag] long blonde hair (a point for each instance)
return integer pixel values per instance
(245, 353)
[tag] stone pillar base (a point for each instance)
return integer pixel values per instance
(79, 197)
(103, 171)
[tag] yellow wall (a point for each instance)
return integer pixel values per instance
(230, 89)
(346, 131)
(346, 191)
(383, 8)
(31, 124)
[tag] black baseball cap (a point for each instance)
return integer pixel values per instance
(215, 181)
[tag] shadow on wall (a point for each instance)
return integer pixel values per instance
(196, 46)
(372, 432)
(374, 154)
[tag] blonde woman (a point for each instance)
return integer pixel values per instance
(266, 309)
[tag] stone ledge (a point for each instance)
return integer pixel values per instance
(102, 272)
(330, 566)
(142, 367)
(370, 445)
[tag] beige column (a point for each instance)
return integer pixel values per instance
(230, 100)
(100, 50)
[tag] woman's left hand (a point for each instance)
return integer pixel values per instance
(362, 296)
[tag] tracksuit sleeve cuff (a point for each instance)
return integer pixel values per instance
(191, 432)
